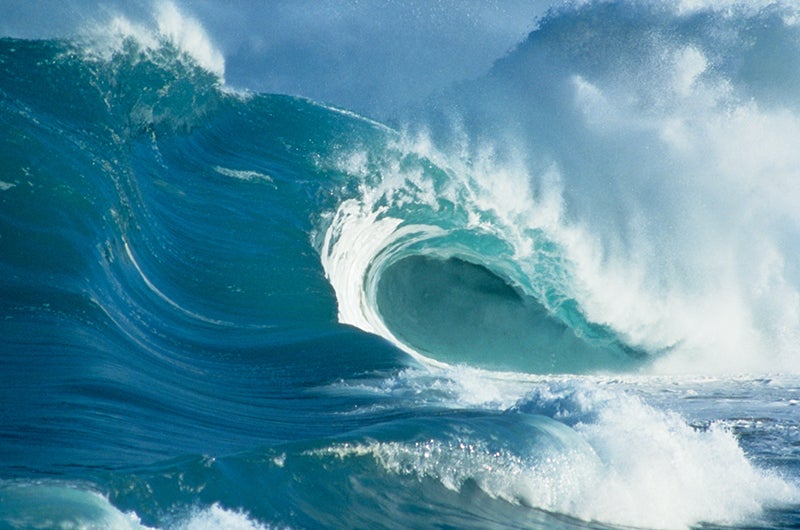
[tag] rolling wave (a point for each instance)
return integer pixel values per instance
(426, 257)
(249, 310)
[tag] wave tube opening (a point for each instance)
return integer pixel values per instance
(459, 312)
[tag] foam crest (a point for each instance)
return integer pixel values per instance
(659, 472)
(499, 474)
(216, 517)
(658, 290)
(189, 36)
(172, 27)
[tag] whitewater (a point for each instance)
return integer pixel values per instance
(560, 289)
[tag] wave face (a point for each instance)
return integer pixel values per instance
(232, 310)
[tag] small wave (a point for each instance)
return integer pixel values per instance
(40, 505)
(55, 505)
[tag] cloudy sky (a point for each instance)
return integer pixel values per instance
(367, 55)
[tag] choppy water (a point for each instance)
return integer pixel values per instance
(531, 305)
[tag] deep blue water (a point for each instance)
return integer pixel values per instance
(565, 294)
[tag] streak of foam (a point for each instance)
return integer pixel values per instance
(160, 294)
(498, 473)
(243, 174)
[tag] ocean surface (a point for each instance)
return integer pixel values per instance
(562, 294)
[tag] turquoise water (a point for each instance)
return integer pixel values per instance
(560, 295)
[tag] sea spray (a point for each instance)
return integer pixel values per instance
(647, 202)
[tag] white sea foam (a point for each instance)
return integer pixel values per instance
(659, 472)
(364, 236)
(188, 35)
(216, 517)
(631, 464)
(244, 174)
(708, 270)
(359, 237)
(169, 26)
